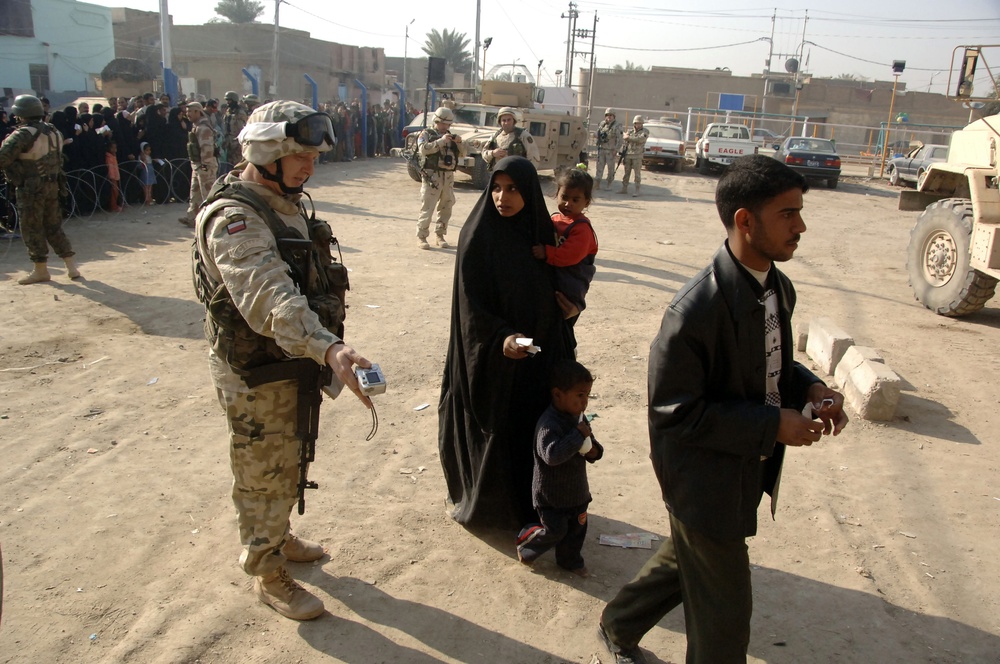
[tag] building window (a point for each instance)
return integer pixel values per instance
(39, 75)
(15, 18)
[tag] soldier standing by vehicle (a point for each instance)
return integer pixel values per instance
(510, 140)
(275, 314)
(232, 124)
(204, 162)
(635, 145)
(32, 161)
(438, 151)
(609, 142)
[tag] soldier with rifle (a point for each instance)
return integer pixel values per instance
(274, 296)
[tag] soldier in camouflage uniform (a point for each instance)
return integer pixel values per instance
(258, 320)
(204, 164)
(609, 142)
(250, 103)
(232, 124)
(439, 152)
(31, 158)
(510, 140)
(635, 146)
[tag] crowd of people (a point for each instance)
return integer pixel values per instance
(725, 395)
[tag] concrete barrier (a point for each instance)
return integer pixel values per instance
(854, 356)
(827, 344)
(872, 390)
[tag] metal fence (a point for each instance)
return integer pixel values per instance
(90, 189)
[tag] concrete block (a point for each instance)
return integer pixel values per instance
(854, 356)
(827, 343)
(872, 390)
(801, 336)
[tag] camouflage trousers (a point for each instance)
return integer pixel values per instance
(605, 157)
(633, 162)
(437, 191)
(264, 456)
(40, 218)
(201, 184)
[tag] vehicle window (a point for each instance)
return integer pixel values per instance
(939, 153)
(467, 117)
(665, 133)
(564, 129)
(715, 133)
(491, 119)
(538, 129)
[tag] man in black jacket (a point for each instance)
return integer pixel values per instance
(725, 398)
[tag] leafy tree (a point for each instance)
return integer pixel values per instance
(450, 45)
(629, 66)
(503, 76)
(239, 11)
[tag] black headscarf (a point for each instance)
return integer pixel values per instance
(489, 403)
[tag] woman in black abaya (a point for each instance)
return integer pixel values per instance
(493, 391)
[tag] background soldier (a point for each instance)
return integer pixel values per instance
(635, 145)
(31, 158)
(204, 164)
(250, 103)
(609, 142)
(510, 140)
(232, 124)
(265, 336)
(439, 152)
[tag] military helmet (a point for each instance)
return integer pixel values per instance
(610, 111)
(444, 114)
(195, 106)
(638, 120)
(28, 107)
(251, 99)
(282, 128)
(232, 95)
(507, 110)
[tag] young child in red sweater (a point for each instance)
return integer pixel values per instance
(576, 242)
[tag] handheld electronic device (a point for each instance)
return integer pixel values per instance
(371, 381)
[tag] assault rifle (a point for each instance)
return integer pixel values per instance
(621, 158)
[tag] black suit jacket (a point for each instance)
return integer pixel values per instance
(708, 425)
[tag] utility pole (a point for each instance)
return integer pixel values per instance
(767, 65)
(590, 83)
(572, 15)
(475, 51)
(802, 48)
(274, 55)
(406, 43)
(169, 80)
(582, 33)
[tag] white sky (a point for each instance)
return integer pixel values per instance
(849, 36)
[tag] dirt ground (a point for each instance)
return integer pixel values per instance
(119, 537)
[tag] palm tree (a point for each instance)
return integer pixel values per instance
(239, 11)
(629, 66)
(451, 46)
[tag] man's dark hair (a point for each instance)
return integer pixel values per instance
(750, 182)
(566, 374)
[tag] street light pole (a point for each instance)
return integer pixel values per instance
(897, 69)
(406, 43)
(559, 78)
(274, 56)
(538, 76)
(486, 45)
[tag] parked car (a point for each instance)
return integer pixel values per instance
(767, 137)
(814, 158)
(912, 166)
(665, 145)
(720, 145)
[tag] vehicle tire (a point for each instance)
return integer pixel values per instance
(705, 167)
(480, 173)
(893, 176)
(831, 183)
(921, 174)
(937, 261)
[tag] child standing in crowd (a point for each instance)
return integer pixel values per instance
(148, 174)
(564, 445)
(114, 175)
(576, 242)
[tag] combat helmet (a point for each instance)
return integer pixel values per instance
(283, 128)
(28, 107)
(251, 101)
(506, 110)
(638, 119)
(444, 114)
(610, 111)
(232, 96)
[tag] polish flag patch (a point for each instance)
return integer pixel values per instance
(236, 227)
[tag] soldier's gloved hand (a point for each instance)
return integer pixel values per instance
(341, 358)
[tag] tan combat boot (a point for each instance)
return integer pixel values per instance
(300, 550)
(71, 270)
(422, 243)
(624, 189)
(441, 242)
(36, 276)
(279, 591)
(636, 191)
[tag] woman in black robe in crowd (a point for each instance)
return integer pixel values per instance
(491, 402)
(176, 135)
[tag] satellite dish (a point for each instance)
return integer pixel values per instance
(791, 65)
(973, 104)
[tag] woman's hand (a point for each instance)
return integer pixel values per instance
(512, 350)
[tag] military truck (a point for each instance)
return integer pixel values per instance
(561, 137)
(953, 259)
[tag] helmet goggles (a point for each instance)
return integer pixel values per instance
(312, 130)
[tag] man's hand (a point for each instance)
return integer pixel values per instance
(538, 251)
(831, 414)
(511, 349)
(796, 430)
(499, 154)
(342, 358)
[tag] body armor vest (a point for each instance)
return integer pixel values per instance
(515, 148)
(444, 160)
(42, 162)
(320, 277)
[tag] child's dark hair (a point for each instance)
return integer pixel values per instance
(576, 178)
(566, 374)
